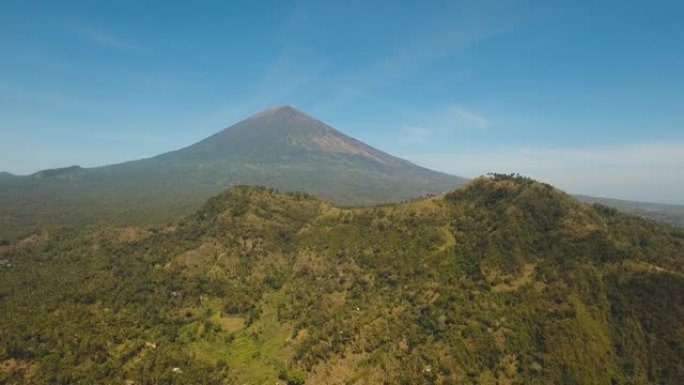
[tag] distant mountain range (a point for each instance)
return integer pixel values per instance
(281, 148)
(672, 214)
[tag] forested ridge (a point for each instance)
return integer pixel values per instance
(504, 281)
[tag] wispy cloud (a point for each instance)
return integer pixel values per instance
(109, 41)
(469, 117)
(443, 121)
(14, 94)
(415, 51)
(407, 60)
(302, 73)
(413, 134)
(642, 171)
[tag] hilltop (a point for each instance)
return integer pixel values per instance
(504, 281)
(281, 148)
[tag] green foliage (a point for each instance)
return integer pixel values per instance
(293, 376)
(510, 177)
(505, 281)
(604, 210)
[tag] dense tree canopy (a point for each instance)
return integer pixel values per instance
(505, 281)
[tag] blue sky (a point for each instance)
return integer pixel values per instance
(586, 95)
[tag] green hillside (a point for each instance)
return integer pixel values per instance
(505, 281)
(281, 148)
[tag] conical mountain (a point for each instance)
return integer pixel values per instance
(280, 147)
(284, 130)
(284, 137)
(287, 149)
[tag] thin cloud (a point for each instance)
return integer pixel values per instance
(35, 96)
(641, 171)
(470, 118)
(413, 55)
(453, 118)
(414, 135)
(297, 71)
(109, 41)
(417, 54)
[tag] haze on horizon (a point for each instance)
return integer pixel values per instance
(582, 95)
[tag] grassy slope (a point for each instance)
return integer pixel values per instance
(502, 282)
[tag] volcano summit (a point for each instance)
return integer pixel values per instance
(280, 147)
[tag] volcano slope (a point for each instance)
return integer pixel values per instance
(505, 281)
(280, 147)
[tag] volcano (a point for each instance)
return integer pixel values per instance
(281, 148)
